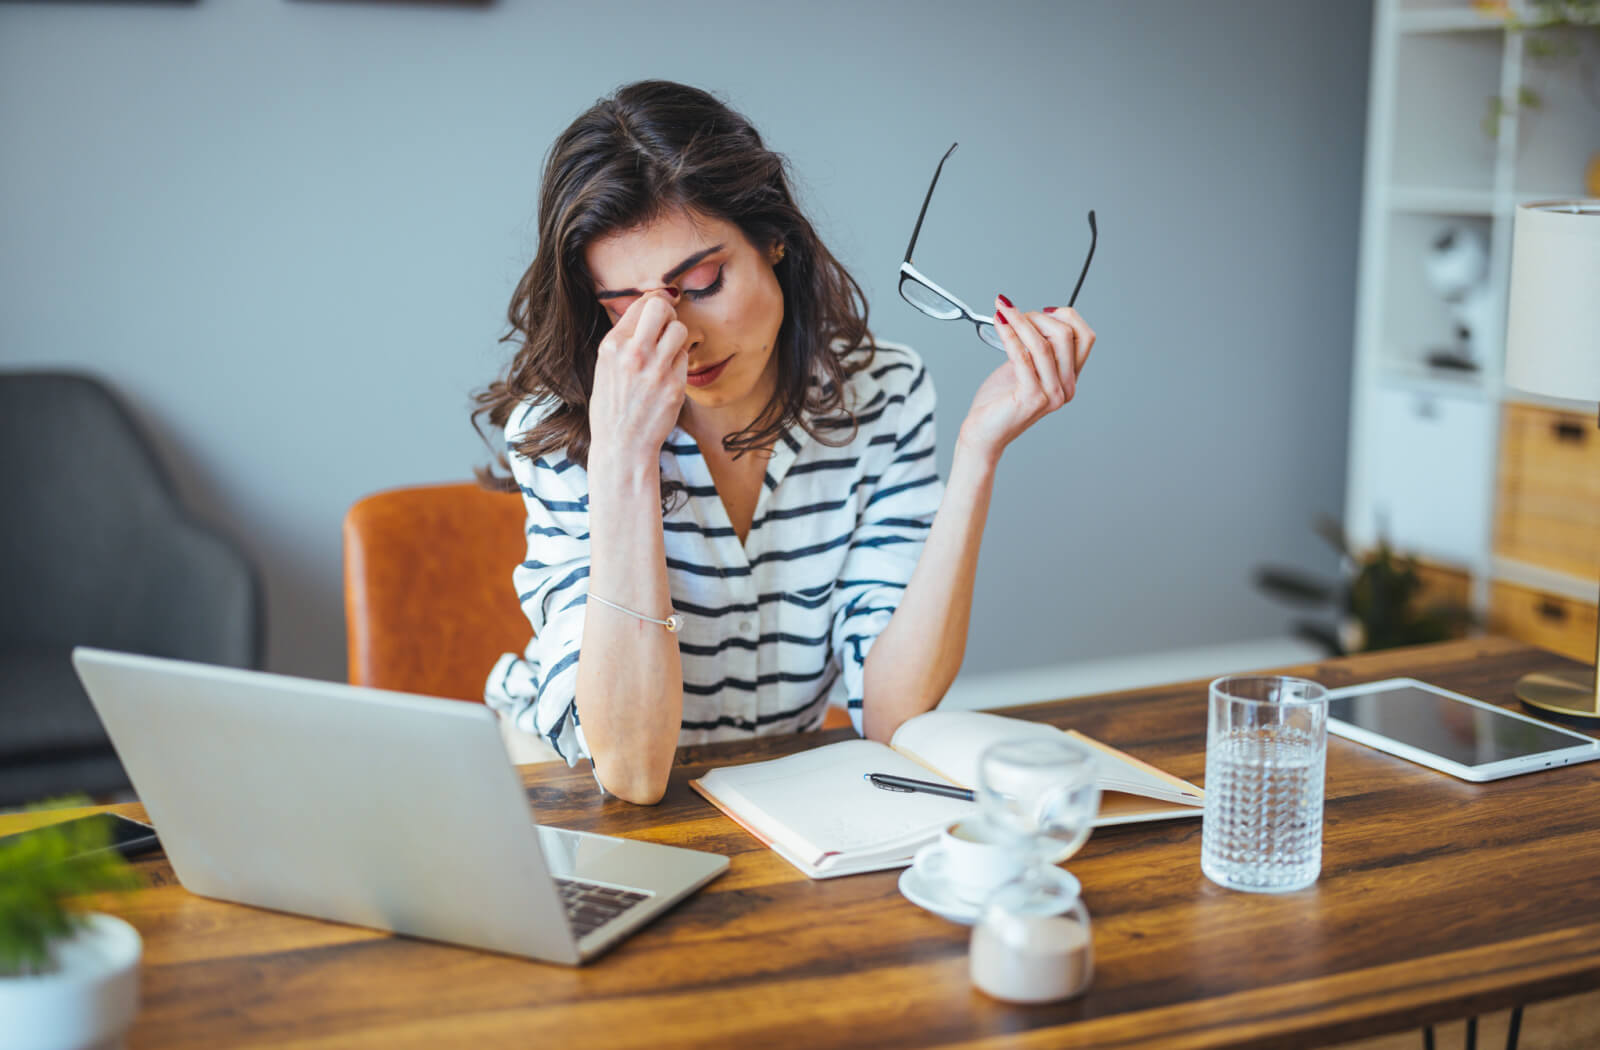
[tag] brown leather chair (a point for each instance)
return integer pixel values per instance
(429, 604)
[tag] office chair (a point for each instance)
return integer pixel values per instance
(95, 549)
(429, 604)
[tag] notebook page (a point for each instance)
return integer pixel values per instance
(949, 743)
(1120, 771)
(817, 803)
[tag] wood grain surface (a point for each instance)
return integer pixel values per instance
(1438, 899)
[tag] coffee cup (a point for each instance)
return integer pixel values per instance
(971, 859)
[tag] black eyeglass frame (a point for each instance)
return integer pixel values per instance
(985, 325)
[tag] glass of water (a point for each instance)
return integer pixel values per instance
(1266, 751)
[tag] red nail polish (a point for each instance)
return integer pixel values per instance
(672, 291)
(1000, 318)
(1051, 309)
(1003, 299)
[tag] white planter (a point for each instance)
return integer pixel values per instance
(87, 1004)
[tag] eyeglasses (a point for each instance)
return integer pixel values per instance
(918, 290)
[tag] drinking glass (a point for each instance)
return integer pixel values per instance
(1266, 752)
(1044, 795)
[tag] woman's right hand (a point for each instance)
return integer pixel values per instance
(640, 375)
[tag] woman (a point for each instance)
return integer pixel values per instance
(733, 511)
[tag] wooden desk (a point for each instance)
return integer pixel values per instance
(1438, 899)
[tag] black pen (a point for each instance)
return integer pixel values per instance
(890, 782)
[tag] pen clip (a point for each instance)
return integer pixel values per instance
(872, 778)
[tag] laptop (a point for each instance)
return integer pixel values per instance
(368, 807)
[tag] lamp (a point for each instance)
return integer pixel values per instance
(1553, 347)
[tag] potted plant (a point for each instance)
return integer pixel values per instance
(1377, 604)
(69, 979)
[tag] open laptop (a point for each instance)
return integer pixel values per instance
(374, 808)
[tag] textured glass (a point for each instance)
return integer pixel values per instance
(1266, 752)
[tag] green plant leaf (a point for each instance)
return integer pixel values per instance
(41, 872)
(1331, 531)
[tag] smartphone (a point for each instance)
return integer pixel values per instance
(128, 837)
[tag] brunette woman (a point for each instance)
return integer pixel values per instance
(733, 510)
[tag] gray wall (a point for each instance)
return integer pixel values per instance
(287, 230)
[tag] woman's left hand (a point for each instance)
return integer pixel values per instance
(1046, 351)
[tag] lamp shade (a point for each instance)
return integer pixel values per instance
(1553, 316)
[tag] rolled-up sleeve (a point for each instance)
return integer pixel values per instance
(896, 512)
(537, 690)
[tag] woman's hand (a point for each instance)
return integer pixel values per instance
(640, 375)
(1045, 350)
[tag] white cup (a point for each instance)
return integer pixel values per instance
(972, 859)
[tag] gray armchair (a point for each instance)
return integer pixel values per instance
(95, 550)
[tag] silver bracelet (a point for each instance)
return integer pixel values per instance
(671, 623)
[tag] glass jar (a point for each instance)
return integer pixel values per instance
(1025, 951)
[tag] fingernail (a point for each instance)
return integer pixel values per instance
(1000, 318)
(671, 291)
(1003, 299)
(1051, 309)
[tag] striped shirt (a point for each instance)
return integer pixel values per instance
(773, 630)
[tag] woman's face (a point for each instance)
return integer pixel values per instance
(729, 300)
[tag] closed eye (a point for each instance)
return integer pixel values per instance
(692, 286)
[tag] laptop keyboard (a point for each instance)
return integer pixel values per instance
(590, 906)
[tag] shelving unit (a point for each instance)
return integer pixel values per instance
(1425, 441)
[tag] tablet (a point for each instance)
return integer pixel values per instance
(1452, 733)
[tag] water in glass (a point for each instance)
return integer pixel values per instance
(1265, 757)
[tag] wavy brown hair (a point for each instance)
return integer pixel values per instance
(649, 148)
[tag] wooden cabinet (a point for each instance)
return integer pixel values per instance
(1547, 507)
(1547, 529)
(1543, 619)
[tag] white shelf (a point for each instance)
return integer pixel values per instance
(1435, 382)
(1446, 20)
(1443, 200)
(1560, 404)
(1526, 196)
(1424, 442)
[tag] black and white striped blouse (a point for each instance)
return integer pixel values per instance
(773, 630)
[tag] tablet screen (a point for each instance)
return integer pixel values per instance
(1464, 733)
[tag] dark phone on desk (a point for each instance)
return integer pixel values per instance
(128, 837)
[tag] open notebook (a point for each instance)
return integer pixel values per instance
(816, 810)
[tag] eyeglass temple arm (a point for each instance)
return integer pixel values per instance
(918, 228)
(1094, 238)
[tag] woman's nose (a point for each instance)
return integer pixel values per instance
(689, 315)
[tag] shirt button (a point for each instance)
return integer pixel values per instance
(746, 626)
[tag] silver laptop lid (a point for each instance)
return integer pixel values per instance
(334, 801)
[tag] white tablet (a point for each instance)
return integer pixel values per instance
(1452, 733)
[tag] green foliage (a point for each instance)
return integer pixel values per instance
(1383, 600)
(1548, 49)
(41, 871)
(1376, 602)
(1546, 13)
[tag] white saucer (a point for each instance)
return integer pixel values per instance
(931, 895)
(935, 896)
